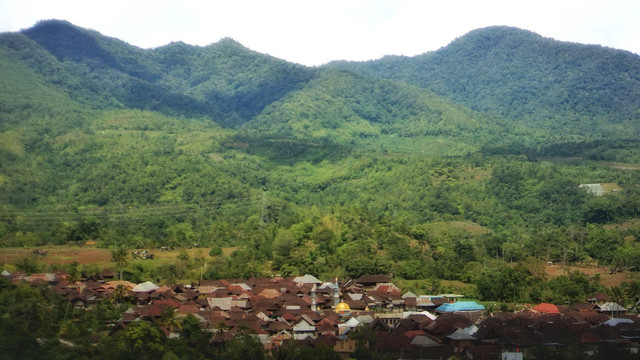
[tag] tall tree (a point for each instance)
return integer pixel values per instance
(119, 256)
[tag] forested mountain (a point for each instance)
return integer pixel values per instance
(224, 81)
(403, 165)
(564, 87)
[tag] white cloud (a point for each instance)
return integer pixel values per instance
(315, 32)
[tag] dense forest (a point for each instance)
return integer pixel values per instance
(452, 165)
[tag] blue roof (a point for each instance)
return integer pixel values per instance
(460, 306)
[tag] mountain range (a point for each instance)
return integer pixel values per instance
(91, 122)
(491, 78)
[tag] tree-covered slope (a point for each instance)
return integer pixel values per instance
(349, 109)
(321, 170)
(226, 73)
(564, 87)
(224, 82)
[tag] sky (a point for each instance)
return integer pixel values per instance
(313, 32)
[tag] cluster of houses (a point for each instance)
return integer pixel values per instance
(403, 325)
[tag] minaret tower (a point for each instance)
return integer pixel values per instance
(336, 294)
(314, 301)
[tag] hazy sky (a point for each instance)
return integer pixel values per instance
(314, 32)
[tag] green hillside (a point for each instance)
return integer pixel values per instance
(348, 109)
(315, 170)
(565, 88)
(224, 82)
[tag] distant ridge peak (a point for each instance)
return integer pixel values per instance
(65, 40)
(498, 32)
(52, 22)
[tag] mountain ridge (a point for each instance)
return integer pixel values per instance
(523, 76)
(504, 72)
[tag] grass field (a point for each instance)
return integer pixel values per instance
(64, 254)
(607, 279)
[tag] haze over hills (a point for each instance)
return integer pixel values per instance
(178, 144)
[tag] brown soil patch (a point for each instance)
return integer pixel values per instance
(59, 255)
(624, 226)
(607, 279)
(88, 255)
(611, 187)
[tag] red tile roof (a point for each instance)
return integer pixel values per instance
(546, 308)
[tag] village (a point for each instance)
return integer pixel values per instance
(313, 312)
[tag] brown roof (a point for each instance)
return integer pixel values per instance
(373, 279)
(356, 304)
(583, 306)
(589, 338)
(278, 326)
(447, 323)
(167, 302)
(594, 317)
(326, 328)
(393, 341)
(107, 273)
(600, 297)
(414, 333)
(270, 293)
(327, 339)
(189, 309)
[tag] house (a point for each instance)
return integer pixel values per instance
(612, 309)
(282, 310)
(145, 287)
(598, 299)
(303, 328)
(469, 309)
(425, 347)
(345, 348)
(461, 339)
(429, 302)
(546, 308)
(326, 326)
(370, 281)
(306, 279)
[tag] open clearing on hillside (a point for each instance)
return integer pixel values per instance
(607, 279)
(63, 254)
(624, 225)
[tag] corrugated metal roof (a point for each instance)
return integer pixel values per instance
(146, 286)
(460, 306)
(307, 279)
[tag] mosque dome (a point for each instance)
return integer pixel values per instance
(342, 307)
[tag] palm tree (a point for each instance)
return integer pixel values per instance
(119, 294)
(632, 290)
(617, 295)
(120, 257)
(169, 319)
